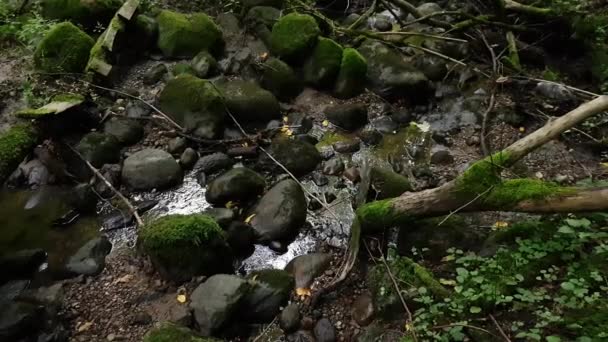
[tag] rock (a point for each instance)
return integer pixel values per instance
(322, 67)
(377, 332)
(319, 179)
(169, 332)
(90, 259)
(188, 158)
(388, 184)
(213, 163)
(194, 104)
(270, 291)
(240, 237)
(347, 116)
(238, 185)
(271, 3)
(18, 320)
(293, 36)
(299, 157)
(183, 246)
(146, 30)
(21, 264)
(347, 146)
(127, 131)
(99, 148)
(182, 68)
(185, 35)
(260, 20)
(289, 320)
(363, 310)
(15, 144)
(325, 331)
(216, 300)
(402, 117)
(177, 145)
(370, 137)
(137, 110)
(203, 64)
(83, 12)
(223, 216)
(352, 77)
(280, 79)
(434, 68)
(141, 318)
(554, 91)
(391, 76)
(151, 169)
(248, 102)
(473, 140)
(83, 198)
(51, 296)
(385, 125)
(333, 167)
(155, 74)
(301, 336)
(352, 174)
(15, 288)
(442, 157)
(64, 49)
(306, 267)
(382, 24)
(350, 19)
(428, 8)
(280, 212)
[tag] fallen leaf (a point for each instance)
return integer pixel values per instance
(325, 123)
(181, 298)
(230, 204)
(249, 218)
(447, 282)
(522, 129)
(500, 225)
(124, 279)
(264, 56)
(448, 258)
(84, 327)
(502, 79)
(285, 119)
(303, 292)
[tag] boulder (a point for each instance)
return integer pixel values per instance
(18, 320)
(90, 259)
(293, 36)
(15, 144)
(270, 291)
(352, 76)
(299, 157)
(392, 76)
(151, 169)
(216, 300)
(280, 79)
(306, 267)
(183, 246)
(237, 185)
(99, 148)
(289, 320)
(183, 68)
(84, 12)
(223, 216)
(204, 64)
(127, 131)
(213, 163)
(323, 65)
(170, 332)
(349, 116)
(260, 20)
(194, 104)
(248, 102)
(280, 212)
(65, 48)
(185, 35)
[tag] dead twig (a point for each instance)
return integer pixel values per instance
(265, 330)
(502, 332)
(465, 326)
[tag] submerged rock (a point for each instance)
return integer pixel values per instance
(280, 212)
(216, 300)
(99, 148)
(184, 246)
(194, 104)
(151, 169)
(297, 156)
(238, 185)
(185, 35)
(248, 102)
(270, 291)
(90, 259)
(347, 116)
(214, 162)
(65, 48)
(306, 267)
(293, 36)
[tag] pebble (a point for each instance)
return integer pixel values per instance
(111, 337)
(352, 174)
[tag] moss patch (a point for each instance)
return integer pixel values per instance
(185, 35)
(59, 104)
(511, 192)
(169, 332)
(182, 68)
(280, 79)
(353, 74)
(293, 35)
(378, 215)
(15, 144)
(330, 138)
(388, 184)
(65, 48)
(323, 66)
(483, 174)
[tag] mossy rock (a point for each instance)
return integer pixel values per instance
(323, 66)
(170, 332)
(59, 104)
(388, 184)
(352, 76)
(194, 104)
(203, 64)
(15, 144)
(183, 68)
(270, 291)
(280, 79)
(249, 102)
(65, 48)
(260, 20)
(85, 12)
(293, 36)
(185, 35)
(99, 148)
(184, 246)
(299, 157)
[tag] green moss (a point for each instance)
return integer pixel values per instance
(182, 246)
(353, 74)
(482, 175)
(59, 104)
(169, 332)
(89, 12)
(182, 68)
(511, 192)
(280, 79)
(388, 184)
(65, 48)
(323, 66)
(15, 144)
(378, 215)
(185, 35)
(293, 36)
(396, 146)
(330, 138)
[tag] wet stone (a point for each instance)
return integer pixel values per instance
(370, 137)
(333, 167)
(319, 179)
(350, 146)
(352, 174)
(188, 158)
(325, 331)
(155, 74)
(442, 157)
(289, 320)
(177, 145)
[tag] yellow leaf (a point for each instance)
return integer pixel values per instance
(447, 282)
(285, 119)
(325, 123)
(408, 326)
(230, 204)
(522, 129)
(181, 298)
(500, 225)
(604, 165)
(289, 133)
(254, 278)
(245, 144)
(303, 292)
(448, 258)
(248, 219)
